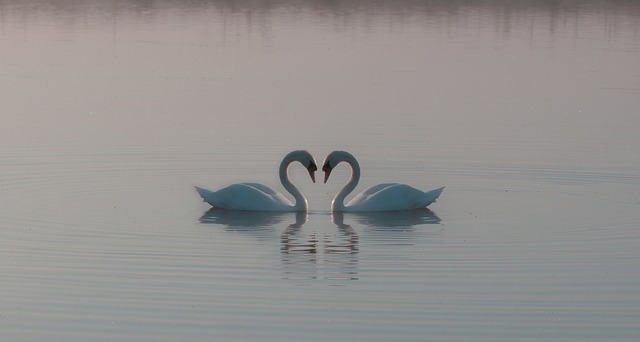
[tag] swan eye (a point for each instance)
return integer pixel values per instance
(326, 167)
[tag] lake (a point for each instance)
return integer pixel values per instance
(527, 111)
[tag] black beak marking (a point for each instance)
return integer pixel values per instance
(327, 170)
(312, 168)
(326, 167)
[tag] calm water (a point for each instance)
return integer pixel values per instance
(113, 110)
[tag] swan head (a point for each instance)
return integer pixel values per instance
(305, 158)
(332, 160)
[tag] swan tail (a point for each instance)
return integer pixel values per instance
(432, 195)
(207, 195)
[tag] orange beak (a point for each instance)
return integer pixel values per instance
(312, 171)
(327, 171)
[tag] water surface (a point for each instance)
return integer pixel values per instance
(113, 110)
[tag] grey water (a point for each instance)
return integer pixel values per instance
(527, 111)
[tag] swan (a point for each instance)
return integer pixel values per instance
(259, 197)
(381, 197)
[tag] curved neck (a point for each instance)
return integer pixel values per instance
(338, 202)
(300, 202)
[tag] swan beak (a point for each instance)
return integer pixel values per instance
(312, 171)
(327, 171)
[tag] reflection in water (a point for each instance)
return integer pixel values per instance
(397, 227)
(298, 253)
(303, 255)
(302, 259)
(341, 251)
(235, 219)
(549, 15)
(338, 6)
(332, 256)
(260, 224)
(395, 219)
(288, 237)
(350, 243)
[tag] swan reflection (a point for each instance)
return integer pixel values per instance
(260, 224)
(334, 257)
(290, 241)
(396, 219)
(240, 218)
(348, 238)
(394, 227)
(329, 253)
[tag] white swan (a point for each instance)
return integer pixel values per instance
(259, 197)
(381, 197)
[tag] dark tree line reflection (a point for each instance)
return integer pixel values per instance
(613, 15)
(335, 7)
(328, 4)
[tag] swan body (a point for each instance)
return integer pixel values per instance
(381, 197)
(260, 197)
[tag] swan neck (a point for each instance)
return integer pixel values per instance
(300, 202)
(338, 201)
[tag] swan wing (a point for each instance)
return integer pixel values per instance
(264, 188)
(271, 192)
(376, 188)
(246, 196)
(392, 197)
